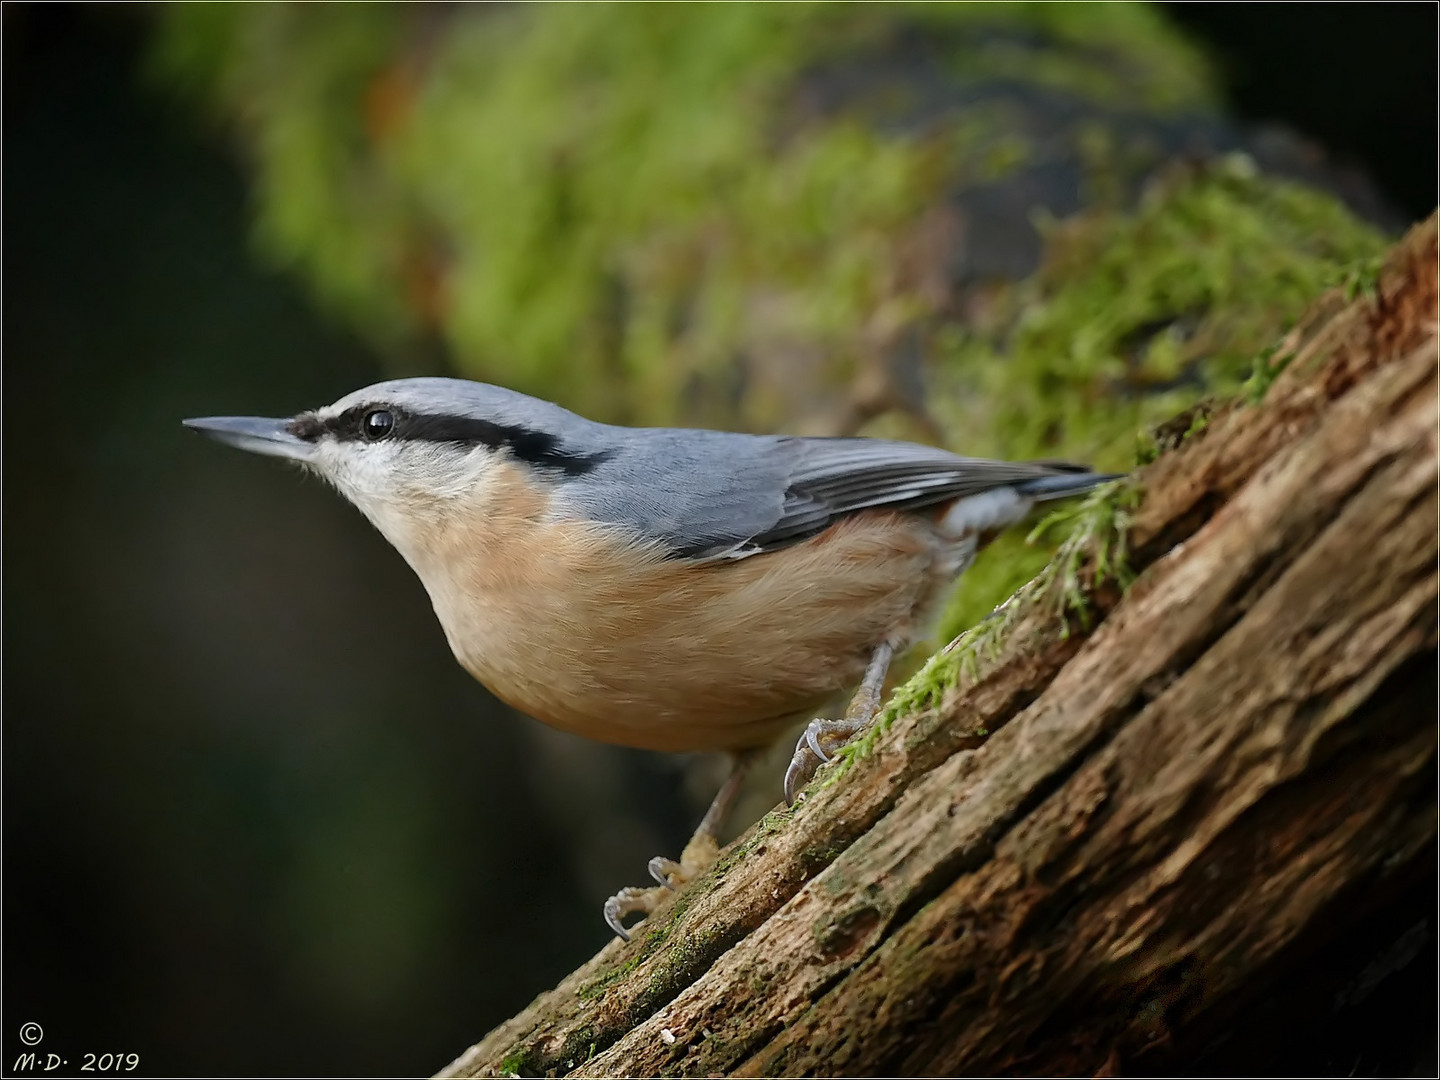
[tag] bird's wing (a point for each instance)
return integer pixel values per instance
(830, 478)
(714, 495)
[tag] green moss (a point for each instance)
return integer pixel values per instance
(579, 1046)
(1135, 315)
(1147, 448)
(1362, 278)
(597, 197)
(1265, 370)
(1133, 311)
(522, 1061)
(677, 969)
(1097, 533)
(595, 988)
(1179, 429)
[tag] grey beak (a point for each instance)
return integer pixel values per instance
(258, 434)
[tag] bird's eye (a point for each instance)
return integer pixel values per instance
(378, 423)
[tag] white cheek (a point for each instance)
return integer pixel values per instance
(404, 489)
(355, 471)
(360, 475)
(445, 475)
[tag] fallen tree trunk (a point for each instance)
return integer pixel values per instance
(1103, 850)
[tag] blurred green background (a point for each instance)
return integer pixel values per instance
(256, 820)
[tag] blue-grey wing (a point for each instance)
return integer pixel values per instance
(716, 495)
(831, 478)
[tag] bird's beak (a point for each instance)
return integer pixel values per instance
(258, 434)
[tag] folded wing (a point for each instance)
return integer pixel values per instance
(827, 479)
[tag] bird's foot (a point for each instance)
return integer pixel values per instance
(816, 747)
(628, 901)
(699, 855)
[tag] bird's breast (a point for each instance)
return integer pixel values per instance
(588, 630)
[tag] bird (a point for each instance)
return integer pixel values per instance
(668, 589)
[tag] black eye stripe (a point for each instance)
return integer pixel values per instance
(538, 448)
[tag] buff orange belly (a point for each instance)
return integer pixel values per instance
(666, 654)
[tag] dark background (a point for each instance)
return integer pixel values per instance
(236, 838)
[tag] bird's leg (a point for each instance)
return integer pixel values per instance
(812, 750)
(699, 854)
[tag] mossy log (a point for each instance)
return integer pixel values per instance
(1104, 851)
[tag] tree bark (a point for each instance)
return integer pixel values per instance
(1102, 852)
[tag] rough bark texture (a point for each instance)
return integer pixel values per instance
(1168, 815)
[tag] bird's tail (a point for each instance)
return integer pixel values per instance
(1063, 485)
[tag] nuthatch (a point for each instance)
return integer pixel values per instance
(660, 588)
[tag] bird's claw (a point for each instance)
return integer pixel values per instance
(627, 902)
(698, 856)
(810, 752)
(812, 740)
(802, 767)
(666, 871)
